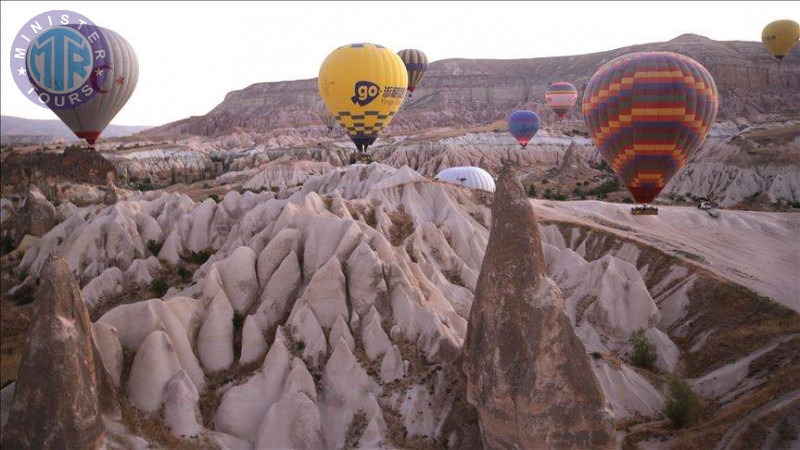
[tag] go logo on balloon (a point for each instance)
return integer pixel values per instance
(365, 93)
(59, 59)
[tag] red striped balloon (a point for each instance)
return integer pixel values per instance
(648, 113)
(560, 97)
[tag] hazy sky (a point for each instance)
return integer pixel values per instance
(192, 53)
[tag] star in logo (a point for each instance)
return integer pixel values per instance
(98, 71)
(21, 71)
(120, 81)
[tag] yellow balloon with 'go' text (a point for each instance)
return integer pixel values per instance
(363, 86)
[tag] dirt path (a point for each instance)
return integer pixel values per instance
(736, 430)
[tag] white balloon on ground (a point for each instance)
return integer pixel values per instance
(469, 177)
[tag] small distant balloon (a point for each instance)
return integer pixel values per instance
(523, 125)
(780, 36)
(416, 64)
(560, 97)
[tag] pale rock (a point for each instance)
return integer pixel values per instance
(392, 367)
(153, 367)
(668, 353)
(181, 412)
(275, 253)
(108, 283)
(106, 340)
(215, 337)
(365, 283)
(326, 295)
(189, 312)
(375, 340)
(243, 407)
(346, 381)
(278, 292)
(341, 331)
(135, 322)
(306, 329)
(238, 275)
(254, 346)
(293, 422)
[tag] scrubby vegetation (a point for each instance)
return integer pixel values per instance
(682, 406)
(644, 353)
(199, 257)
(154, 247)
(159, 287)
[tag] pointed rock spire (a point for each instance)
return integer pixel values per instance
(528, 373)
(62, 388)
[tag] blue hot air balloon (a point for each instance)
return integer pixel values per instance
(523, 125)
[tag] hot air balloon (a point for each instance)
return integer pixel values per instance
(88, 120)
(523, 125)
(363, 86)
(416, 64)
(648, 113)
(469, 177)
(560, 97)
(780, 36)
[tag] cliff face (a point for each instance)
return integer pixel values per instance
(460, 92)
(528, 374)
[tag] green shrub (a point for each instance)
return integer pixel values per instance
(545, 181)
(627, 200)
(154, 247)
(644, 353)
(532, 191)
(184, 273)
(214, 197)
(198, 257)
(238, 320)
(299, 346)
(682, 405)
(577, 192)
(159, 287)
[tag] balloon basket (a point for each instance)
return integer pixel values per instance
(644, 210)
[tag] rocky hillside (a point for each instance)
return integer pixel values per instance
(17, 130)
(339, 309)
(464, 92)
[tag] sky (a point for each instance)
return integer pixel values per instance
(192, 53)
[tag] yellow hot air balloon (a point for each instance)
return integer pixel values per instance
(363, 86)
(780, 36)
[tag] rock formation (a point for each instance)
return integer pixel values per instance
(528, 373)
(63, 388)
(573, 165)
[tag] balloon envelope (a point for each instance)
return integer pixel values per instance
(416, 64)
(648, 113)
(523, 125)
(560, 97)
(780, 36)
(89, 119)
(469, 177)
(363, 86)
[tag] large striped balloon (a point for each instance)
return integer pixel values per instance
(523, 125)
(648, 113)
(560, 97)
(416, 64)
